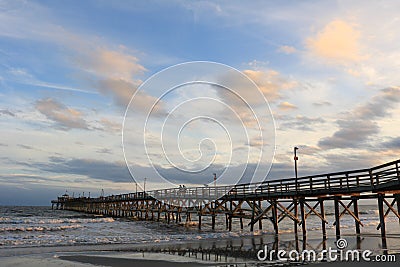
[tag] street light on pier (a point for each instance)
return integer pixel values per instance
(144, 185)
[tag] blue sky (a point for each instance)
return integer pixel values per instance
(68, 69)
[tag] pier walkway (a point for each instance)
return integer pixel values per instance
(273, 201)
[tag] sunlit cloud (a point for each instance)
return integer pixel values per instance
(338, 41)
(285, 106)
(270, 82)
(66, 118)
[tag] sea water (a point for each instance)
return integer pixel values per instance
(42, 226)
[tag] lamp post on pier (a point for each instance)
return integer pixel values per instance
(295, 165)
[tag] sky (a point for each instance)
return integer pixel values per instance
(319, 75)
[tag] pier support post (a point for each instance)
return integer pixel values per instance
(260, 220)
(275, 216)
(382, 220)
(296, 215)
(199, 221)
(337, 217)
(252, 216)
(355, 208)
(230, 215)
(303, 220)
(322, 210)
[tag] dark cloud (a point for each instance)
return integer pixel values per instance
(301, 123)
(93, 168)
(66, 118)
(392, 143)
(339, 162)
(29, 195)
(6, 112)
(356, 127)
(351, 134)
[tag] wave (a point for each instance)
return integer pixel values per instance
(39, 228)
(56, 221)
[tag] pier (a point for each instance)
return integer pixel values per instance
(257, 204)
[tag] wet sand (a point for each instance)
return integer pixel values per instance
(121, 262)
(240, 251)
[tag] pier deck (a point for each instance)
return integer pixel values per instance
(272, 201)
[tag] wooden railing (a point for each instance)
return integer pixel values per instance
(364, 180)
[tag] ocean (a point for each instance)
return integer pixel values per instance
(42, 226)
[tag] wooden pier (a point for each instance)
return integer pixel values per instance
(253, 204)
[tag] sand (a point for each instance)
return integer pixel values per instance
(240, 251)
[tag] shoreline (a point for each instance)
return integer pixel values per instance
(205, 252)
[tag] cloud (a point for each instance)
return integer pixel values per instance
(357, 126)
(322, 103)
(65, 117)
(122, 91)
(104, 151)
(287, 49)
(109, 63)
(270, 82)
(338, 41)
(393, 143)
(301, 123)
(352, 133)
(110, 126)
(25, 146)
(94, 59)
(286, 106)
(92, 168)
(6, 112)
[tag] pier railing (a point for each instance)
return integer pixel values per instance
(355, 181)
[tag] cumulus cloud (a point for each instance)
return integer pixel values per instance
(338, 41)
(65, 117)
(122, 91)
(270, 82)
(110, 63)
(113, 72)
(357, 126)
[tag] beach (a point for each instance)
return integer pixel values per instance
(240, 251)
